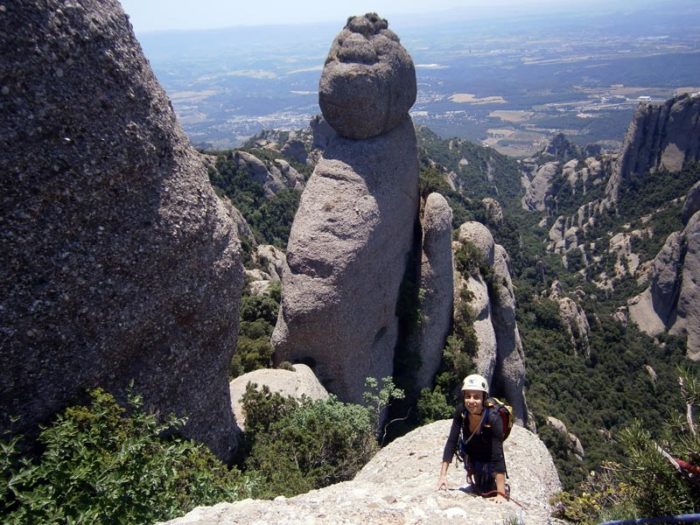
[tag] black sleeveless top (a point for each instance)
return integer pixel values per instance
(486, 446)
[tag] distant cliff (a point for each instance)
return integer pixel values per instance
(661, 136)
(672, 300)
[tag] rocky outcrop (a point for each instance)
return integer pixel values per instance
(437, 287)
(491, 302)
(560, 148)
(272, 259)
(509, 376)
(574, 319)
(672, 300)
(118, 263)
(353, 231)
(572, 441)
(654, 309)
(368, 82)
(692, 203)
(538, 188)
(346, 257)
(661, 136)
(274, 176)
(295, 383)
(687, 315)
(398, 486)
(494, 210)
(258, 282)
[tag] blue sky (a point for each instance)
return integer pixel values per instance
(157, 15)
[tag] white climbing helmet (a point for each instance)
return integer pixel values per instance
(475, 382)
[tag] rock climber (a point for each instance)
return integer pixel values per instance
(478, 432)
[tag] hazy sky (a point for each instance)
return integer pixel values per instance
(156, 15)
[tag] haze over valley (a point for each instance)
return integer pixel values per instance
(510, 82)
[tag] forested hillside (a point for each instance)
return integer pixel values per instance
(596, 387)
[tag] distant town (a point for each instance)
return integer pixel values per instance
(510, 84)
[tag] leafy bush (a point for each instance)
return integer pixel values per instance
(645, 482)
(258, 315)
(658, 488)
(100, 466)
(312, 444)
(433, 406)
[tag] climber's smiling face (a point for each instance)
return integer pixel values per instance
(474, 401)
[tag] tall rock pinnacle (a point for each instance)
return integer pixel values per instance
(353, 231)
(118, 263)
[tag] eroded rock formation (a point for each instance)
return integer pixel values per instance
(274, 175)
(353, 231)
(574, 319)
(500, 356)
(661, 136)
(398, 486)
(368, 82)
(296, 383)
(672, 300)
(436, 285)
(117, 261)
(572, 441)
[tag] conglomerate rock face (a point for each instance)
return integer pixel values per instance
(398, 487)
(368, 83)
(672, 300)
(118, 263)
(354, 229)
(500, 356)
(437, 285)
(346, 257)
(660, 136)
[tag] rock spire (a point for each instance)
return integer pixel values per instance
(353, 231)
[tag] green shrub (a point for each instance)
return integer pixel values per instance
(258, 315)
(311, 446)
(433, 406)
(99, 465)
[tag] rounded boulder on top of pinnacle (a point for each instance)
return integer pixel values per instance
(368, 82)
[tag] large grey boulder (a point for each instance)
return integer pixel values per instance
(368, 82)
(660, 136)
(118, 263)
(398, 486)
(346, 258)
(297, 383)
(437, 285)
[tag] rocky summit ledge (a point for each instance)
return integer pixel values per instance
(398, 487)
